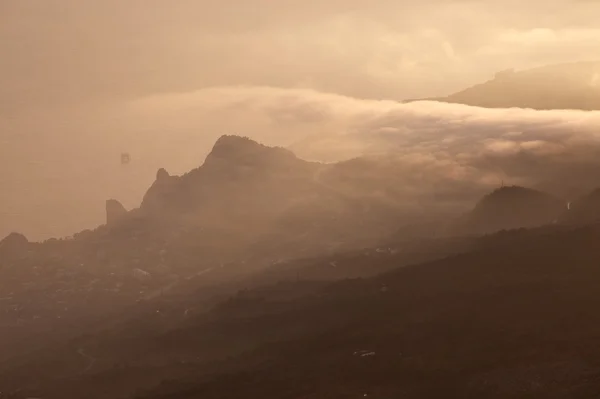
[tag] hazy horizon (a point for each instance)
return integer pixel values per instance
(82, 81)
(429, 229)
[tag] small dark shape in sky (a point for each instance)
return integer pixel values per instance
(125, 158)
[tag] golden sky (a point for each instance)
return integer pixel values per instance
(56, 51)
(83, 80)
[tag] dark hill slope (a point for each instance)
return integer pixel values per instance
(518, 321)
(584, 210)
(512, 318)
(248, 207)
(511, 208)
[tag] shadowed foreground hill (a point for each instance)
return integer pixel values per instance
(515, 321)
(514, 317)
(140, 308)
(562, 86)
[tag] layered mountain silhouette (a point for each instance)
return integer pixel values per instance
(484, 323)
(563, 86)
(258, 273)
(246, 208)
(267, 197)
(238, 175)
(511, 207)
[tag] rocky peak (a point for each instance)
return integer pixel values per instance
(243, 150)
(115, 212)
(235, 163)
(163, 187)
(162, 174)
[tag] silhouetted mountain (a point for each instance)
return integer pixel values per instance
(115, 212)
(261, 196)
(233, 152)
(14, 243)
(510, 208)
(562, 86)
(157, 197)
(220, 285)
(247, 208)
(235, 175)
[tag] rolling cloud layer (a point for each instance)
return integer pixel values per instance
(83, 80)
(440, 151)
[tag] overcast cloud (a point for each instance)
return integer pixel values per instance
(68, 51)
(83, 80)
(62, 181)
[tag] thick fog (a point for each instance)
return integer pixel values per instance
(57, 184)
(82, 81)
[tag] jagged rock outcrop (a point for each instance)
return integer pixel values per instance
(511, 208)
(115, 212)
(162, 175)
(246, 191)
(162, 194)
(236, 166)
(239, 151)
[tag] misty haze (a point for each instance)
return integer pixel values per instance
(317, 199)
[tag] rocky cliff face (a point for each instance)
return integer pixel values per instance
(236, 174)
(249, 192)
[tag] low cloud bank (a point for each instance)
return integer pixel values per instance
(439, 150)
(554, 150)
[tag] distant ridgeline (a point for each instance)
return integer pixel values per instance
(564, 86)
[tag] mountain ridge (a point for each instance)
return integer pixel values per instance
(155, 293)
(574, 86)
(511, 207)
